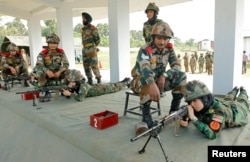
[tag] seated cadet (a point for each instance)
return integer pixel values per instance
(14, 65)
(210, 115)
(79, 89)
(51, 63)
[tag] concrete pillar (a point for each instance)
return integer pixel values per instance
(228, 40)
(119, 43)
(65, 31)
(35, 38)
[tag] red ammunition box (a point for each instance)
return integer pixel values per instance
(103, 119)
(29, 95)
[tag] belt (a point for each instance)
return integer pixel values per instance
(88, 45)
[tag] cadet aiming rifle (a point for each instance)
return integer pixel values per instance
(158, 125)
(46, 90)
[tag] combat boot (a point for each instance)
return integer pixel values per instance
(175, 104)
(126, 81)
(90, 81)
(146, 116)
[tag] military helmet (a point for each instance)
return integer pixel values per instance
(195, 89)
(87, 16)
(152, 6)
(52, 38)
(161, 29)
(12, 47)
(73, 75)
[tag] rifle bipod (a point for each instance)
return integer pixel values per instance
(155, 134)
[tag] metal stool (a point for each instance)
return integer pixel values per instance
(132, 109)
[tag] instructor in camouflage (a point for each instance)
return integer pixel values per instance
(51, 63)
(79, 89)
(210, 115)
(150, 76)
(90, 41)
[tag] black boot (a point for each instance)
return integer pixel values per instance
(99, 80)
(90, 81)
(26, 83)
(175, 104)
(146, 116)
(126, 81)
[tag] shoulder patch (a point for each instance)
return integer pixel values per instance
(45, 51)
(39, 58)
(149, 50)
(60, 50)
(170, 45)
(215, 125)
(218, 118)
(144, 56)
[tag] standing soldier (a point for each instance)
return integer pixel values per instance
(201, 62)
(206, 58)
(186, 59)
(152, 11)
(150, 76)
(192, 63)
(51, 63)
(209, 61)
(196, 58)
(14, 65)
(90, 41)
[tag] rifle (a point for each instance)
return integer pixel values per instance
(11, 79)
(47, 90)
(158, 125)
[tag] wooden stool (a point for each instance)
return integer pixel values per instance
(132, 109)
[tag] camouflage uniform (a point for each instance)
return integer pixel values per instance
(90, 41)
(201, 62)
(186, 59)
(53, 60)
(192, 63)
(150, 65)
(231, 111)
(15, 61)
(83, 89)
(209, 63)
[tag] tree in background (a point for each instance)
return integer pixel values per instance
(17, 28)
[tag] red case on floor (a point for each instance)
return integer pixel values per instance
(103, 119)
(29, 95)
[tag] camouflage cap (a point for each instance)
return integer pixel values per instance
(152, 6)
(12, 47)
(161, 29)
(195, 89)
(52, 38)
(87, 16)
(73, 75)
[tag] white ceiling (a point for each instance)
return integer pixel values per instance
(46, 9)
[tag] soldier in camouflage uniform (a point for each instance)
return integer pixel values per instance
(79, 89)
(51, 63)
(210, 115)
(90, 41)
(186, 62)
(152, 11)
(149, 74)
(201, 61)
(209, 63)
(13, 64)
(192, 63)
